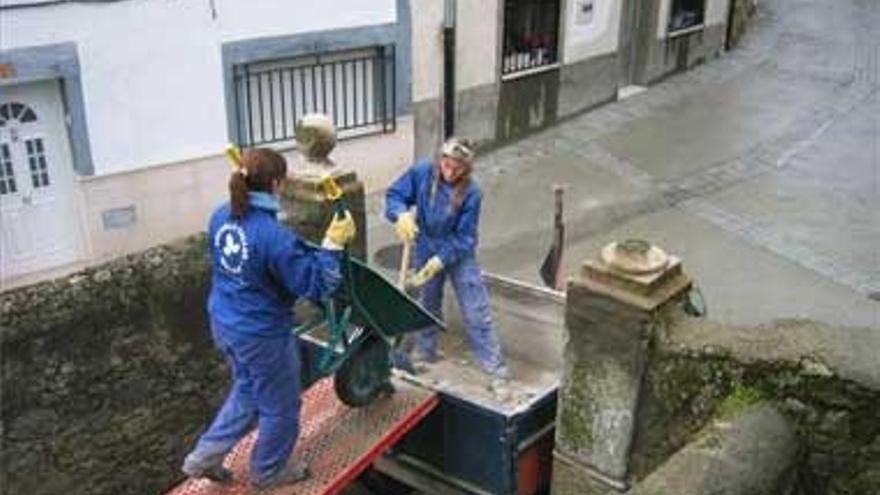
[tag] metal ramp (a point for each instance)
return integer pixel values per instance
(339, 442)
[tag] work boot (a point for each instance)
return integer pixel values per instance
(422, 360)
(216, 473)
(401, 360)
(500, 384)
(499, 372)
(292, 472)
(419, 356)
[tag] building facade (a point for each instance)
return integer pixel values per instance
(520, 65)
(114, 115)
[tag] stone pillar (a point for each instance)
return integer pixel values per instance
(304, 204)
(611, 311)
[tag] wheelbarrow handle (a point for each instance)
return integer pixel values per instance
(334, 193)
(234, 155)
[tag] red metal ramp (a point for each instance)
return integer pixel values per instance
(339, 442)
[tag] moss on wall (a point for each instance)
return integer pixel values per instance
(738, 399)
(837, 419)
(108, 375)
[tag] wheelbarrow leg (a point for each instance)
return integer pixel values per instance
(400, 355)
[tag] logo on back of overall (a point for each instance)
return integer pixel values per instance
(231, 243)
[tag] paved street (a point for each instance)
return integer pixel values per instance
(761, 169)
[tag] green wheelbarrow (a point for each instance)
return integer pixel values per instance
(359, 326)
(362, 323)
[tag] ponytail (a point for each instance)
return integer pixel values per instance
(238, 193)
(260, 168)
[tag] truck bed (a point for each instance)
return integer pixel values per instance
(530, 321)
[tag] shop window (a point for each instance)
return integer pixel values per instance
(531, 35)
(686, 14)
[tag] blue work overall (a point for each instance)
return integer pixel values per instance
(450, 232)
(260, 268)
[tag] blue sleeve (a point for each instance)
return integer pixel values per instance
(463, 239)
(305, 270)
(402, 194)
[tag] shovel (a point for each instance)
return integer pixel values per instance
(551, 268)
(400, 354)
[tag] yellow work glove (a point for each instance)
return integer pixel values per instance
(406, 227)
(340, 232)
(431, 268)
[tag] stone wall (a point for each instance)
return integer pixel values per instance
(825, 379)
(108, 375)
(752, 450)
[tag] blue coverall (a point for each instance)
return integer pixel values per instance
(452, 234)
(260, 268)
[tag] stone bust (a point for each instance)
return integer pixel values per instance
(315, 139)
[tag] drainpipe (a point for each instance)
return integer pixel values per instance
(449, 68)
(731, 8)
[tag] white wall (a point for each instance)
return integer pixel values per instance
(716, 12)
(176, 200)
(427, 49)
(476, 42)
(476, 51)
(151, 69)
(598, 37)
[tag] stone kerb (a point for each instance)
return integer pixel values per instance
(754, 451)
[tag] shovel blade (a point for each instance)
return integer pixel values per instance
(550, 267)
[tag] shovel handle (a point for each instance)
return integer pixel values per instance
(558, 193)
(404, 264)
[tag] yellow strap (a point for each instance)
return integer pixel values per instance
(234, 155)
(331, 188)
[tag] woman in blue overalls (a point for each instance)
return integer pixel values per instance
(444, 226)
(259, 269)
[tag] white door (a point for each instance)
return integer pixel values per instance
(38, 213)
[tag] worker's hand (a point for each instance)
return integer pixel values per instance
(340, 232)
(433, 266)
(406, 227)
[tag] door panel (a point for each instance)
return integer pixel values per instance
(40, 224)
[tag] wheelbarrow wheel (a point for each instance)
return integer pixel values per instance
(364, 375)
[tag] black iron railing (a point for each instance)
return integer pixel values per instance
(531, 35)
(355, 89)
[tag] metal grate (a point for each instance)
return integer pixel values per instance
(531, 35)
(339, 442)
(356, 89)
